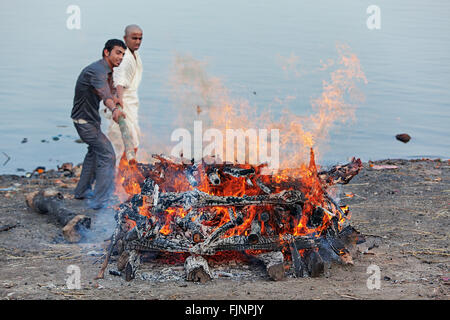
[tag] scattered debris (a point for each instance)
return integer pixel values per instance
(67, 169)
(7, 227)
(94, 253)
(38, 170)
(115, 273)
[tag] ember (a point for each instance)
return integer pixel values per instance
(203, 210)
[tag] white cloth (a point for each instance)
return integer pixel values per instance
(128, 74)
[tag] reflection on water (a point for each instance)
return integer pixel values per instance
(272, 55)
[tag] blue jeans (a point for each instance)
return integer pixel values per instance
(98, 165)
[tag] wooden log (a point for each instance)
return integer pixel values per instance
(71, 230)
(274, 262)
(197, 269)
(199, 199)
(51, 203)
(238, 172)
(314, 263)
(134, 260)
(341, 174)
(122, 261)
(118, 234)
(255, 232)
(214, 177)
(300, 268)
(127, 140)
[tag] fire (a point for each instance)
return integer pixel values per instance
(302, 223)
(299, 135)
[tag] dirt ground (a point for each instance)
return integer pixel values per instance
(403, 212)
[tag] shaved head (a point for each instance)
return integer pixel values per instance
(133, 37)
(132, 28)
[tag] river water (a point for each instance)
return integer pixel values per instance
(262, 52)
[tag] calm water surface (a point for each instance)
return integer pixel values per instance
(406, 63)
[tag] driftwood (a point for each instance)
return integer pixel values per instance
(197, 270)
(51, 203)
(274, 262)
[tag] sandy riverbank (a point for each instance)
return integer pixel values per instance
(404, 212)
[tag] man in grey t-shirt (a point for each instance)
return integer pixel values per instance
(95, 84)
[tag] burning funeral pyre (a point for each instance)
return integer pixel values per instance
(204, 209)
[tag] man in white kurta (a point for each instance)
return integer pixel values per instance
(127, 78)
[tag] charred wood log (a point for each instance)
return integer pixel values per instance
(197, 269)
(314, 263)
(263, 187)
(238, 172)
(134, 260)
(274, 263)
(160, 244)
(255, 232)
(221, 230)
(300, 268)
(341, 174)
(51, 202)
(199, 199)
(196, 230)
(189, 174)
(213, 176)
(234, 243)
(119, 233)
(264, 216)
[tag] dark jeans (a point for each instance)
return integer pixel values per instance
(99, 164)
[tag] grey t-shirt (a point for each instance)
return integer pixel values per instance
(94, 84)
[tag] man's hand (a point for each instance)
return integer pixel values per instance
(115, 109)
(118, 100)
(117, 113)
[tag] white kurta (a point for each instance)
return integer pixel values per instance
(128, 75)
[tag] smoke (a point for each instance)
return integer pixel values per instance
(200, 96)
(101, 227)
